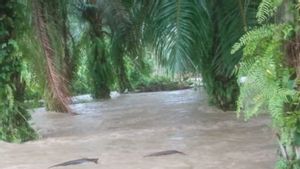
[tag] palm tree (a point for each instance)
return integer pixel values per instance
(70, 56)
(197, 36)
(194, 35)
(48, 35)
(117, 30)
(123, 36)
(100, 69)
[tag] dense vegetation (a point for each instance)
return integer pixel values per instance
(13, 117)
(89, 46)
(271, 64)
(54, 49)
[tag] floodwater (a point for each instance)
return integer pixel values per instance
(124, 129)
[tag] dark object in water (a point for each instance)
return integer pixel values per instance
(164, 153)
(75, 162)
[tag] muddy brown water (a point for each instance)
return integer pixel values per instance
(122, 130)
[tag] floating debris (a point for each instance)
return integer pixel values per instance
(76, 162)
(164, 153)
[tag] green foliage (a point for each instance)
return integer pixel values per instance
(173, 33)
(94, 45)
(143, 79)
(32, 71)
(125, 40)
(271, 84)
(159, 83)
(268, 86)
(217, 64)
(197, 36)
(138, 71)
(263, 66)
(14, 125)
(267, 9)
(99, 69)
(281, 164)
(33, 92)
(253, 36)
(80, 83)
(118, 58)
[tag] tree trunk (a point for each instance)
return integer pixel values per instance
(123, 81)
(69, 58)
(99, 66)
(224, 88)
(99, 70)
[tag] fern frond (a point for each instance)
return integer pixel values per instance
(265, 88)
(255, 35)
(266, 9)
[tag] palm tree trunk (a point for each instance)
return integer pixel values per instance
(99, 70)
(68, 60)
(99, 66)
(224, 90)
(123, 81)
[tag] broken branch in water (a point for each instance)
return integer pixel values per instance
(164, 153)
(75, 162)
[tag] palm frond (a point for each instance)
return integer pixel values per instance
(55, 82)
(174, 27)
(233, 21)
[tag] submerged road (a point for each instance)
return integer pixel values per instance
(124, 129)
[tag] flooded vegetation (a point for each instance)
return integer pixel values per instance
(68, 56)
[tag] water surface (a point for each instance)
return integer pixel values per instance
(122, 130)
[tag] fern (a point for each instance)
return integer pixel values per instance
(262, 64)
(255, 35)
(267, 9)
(268, 87)
(270, 83)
